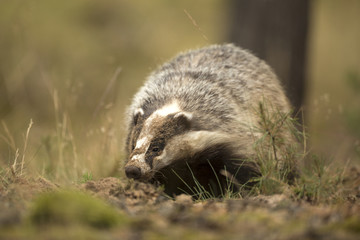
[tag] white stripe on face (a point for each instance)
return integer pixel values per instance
(168, 109)
(139, 158)
(142, 142)
(161, 113)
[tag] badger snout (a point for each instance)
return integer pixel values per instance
(133, 172)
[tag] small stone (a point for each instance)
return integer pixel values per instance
(183, 199)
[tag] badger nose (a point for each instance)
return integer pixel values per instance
(133, 172)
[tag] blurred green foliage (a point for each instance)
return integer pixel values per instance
(71, 208)
(75, 46)
(60, 65)
(352, 111)
(86, 177)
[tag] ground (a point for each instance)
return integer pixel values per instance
(113, 208)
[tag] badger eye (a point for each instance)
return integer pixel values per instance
(157, 146)
(155, 149)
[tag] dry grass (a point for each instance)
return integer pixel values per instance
(74, 73)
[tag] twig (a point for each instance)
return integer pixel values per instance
(107, 90)
(25, 146)
(196, 25)
(9, 139)
(13, 167)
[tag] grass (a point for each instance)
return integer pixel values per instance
(63, 76)
(284, 163)
(86, 177)
(17, 168)
(302, 174)
(60, 156)
(286, 168)
(320, 182)
(214, 190)
(277, 151)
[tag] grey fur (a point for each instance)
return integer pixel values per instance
(220, 86)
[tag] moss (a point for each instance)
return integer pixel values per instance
(351, 224)
(70, 207)
(54, 232)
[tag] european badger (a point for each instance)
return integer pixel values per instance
(195, 118)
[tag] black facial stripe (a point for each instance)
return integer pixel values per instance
(172, 127)
(149, 160)
(168, 129)
(157, 144)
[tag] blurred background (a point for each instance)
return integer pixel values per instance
(69, 68)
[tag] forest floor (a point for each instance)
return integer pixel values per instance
(111, 208)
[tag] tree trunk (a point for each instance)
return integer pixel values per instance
(275, 31)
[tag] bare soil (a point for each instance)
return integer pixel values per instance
(136, 210)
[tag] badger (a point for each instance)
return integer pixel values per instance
(194, 121)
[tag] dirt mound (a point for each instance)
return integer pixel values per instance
(131, 197)
(135, 210)
(15, 197)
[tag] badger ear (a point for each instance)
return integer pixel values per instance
(138, 114)
(183, 119)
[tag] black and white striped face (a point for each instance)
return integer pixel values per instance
(151, 137)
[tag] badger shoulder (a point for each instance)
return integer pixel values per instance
(223, 84)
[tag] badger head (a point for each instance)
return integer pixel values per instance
(150, 139)
(163, 138)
